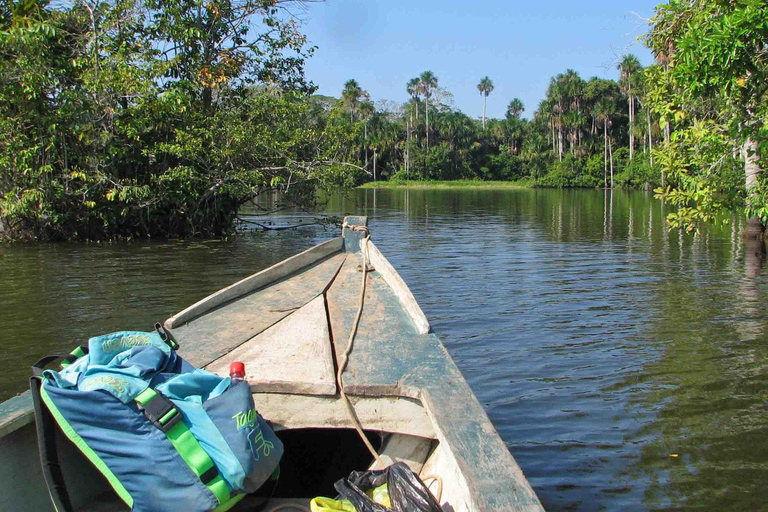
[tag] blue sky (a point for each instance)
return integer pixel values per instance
(519, 45)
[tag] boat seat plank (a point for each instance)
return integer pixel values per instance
(291, 356)
(387, 414)
(216, 333)
(412, 450)
(387, 341)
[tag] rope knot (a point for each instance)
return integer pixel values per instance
(356, 227)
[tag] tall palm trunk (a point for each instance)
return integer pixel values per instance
(650, 138)
(610, 153)
(485, 103)
(578, 126)
(552, 124)
(426, 118)
(631, 123)
(755, 228)
(605, 152)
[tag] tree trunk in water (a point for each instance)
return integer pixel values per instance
(755, 228)
(754, 260)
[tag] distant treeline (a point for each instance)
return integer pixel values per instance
(585, 133)
(147, 118)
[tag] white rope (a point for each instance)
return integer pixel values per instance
(345, 356)
(439, 480)
(345, 359)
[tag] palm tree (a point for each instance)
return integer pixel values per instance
(427, 83)
(629, 68)
(515, 125)
(366, 110)
(351, 96)
(413, 87)
(547, 111)
(605, 109)
(643, 101)
(576, 89)
(485, 87)
(515, 108)
(455, 128)
(557, 91)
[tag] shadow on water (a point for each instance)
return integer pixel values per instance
(622, 364)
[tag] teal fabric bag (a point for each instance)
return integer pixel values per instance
(167, 436)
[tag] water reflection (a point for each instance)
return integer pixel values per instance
(601, 344)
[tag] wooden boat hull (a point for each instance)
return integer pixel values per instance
(291, 324)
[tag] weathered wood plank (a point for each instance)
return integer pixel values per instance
(15, 413)
(455, 494)
(20, 473)
(258, 280)
(404, 448)
(211, 336)
(387, 414)
(292, 356)
(385, 337)
(400, 289)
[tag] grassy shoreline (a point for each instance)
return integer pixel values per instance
(448, 184)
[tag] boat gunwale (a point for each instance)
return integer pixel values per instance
(256, 281)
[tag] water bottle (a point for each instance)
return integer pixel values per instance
(237, 371)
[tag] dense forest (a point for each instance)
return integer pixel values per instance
(585, 133)
(136, 118)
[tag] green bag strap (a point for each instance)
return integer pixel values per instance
(164, 415)
(74, 355)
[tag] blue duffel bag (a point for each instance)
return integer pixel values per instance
(167, 436)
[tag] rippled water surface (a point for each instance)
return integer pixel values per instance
(624, 366)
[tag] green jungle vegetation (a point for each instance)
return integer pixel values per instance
(161, 118)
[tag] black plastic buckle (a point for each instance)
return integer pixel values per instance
(166, 335)
(209, 475)
(158, 409)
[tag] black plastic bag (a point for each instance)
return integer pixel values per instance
(407, 492)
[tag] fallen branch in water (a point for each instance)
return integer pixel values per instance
(277, 228)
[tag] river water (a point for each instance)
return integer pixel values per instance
(623, 365)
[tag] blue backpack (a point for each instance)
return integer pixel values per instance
(167, 436)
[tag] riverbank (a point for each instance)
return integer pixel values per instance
(449, 184)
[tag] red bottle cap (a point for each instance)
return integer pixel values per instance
(237, 367)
